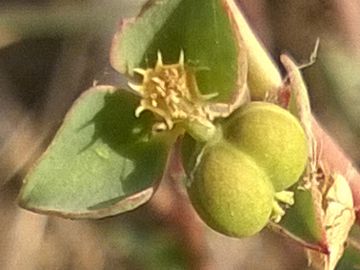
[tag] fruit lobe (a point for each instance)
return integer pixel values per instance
(237, 177)
(273, 137)
(230, 192)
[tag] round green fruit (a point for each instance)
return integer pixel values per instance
(230, 192)
(273, 137)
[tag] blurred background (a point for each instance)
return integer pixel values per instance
(52, 50)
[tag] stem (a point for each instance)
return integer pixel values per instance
(201, 132)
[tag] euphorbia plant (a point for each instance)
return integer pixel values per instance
(240, 175)
(195, 71)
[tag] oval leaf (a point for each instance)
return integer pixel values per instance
(103, 160)
(203, 29)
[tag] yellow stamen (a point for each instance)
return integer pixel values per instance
(140, 71)
(154, 103)
(136, 87)
(139, 110)
(159, 62)
(161, 91)
(181, 58)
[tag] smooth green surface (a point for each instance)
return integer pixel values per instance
(100, 156)
(301, 220)
(230, 192)
(351, 257)
(263, 75)
(273, 137)
(202, 29)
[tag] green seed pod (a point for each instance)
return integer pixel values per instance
(273, 137)
(230, 192)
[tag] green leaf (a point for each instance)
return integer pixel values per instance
(302, 221)
(103, 160)
(351, 257)
(203, 29)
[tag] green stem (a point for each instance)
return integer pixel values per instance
(201, 132)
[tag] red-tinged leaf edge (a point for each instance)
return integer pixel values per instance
(128, 204)
(337, 161)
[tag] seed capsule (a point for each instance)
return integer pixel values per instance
(273, 137)
(230, 192)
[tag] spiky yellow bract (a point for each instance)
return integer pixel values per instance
(171, 93)
(230, 192)
(273, 137)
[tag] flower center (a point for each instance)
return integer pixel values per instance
(170, 92)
